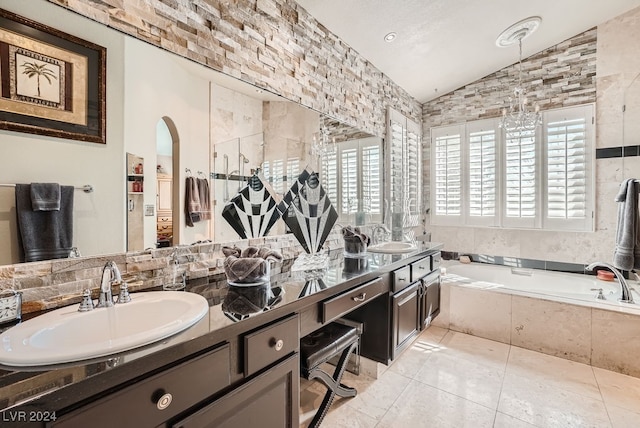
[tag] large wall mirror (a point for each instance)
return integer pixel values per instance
(227, 129)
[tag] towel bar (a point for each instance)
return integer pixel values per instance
(87, 188)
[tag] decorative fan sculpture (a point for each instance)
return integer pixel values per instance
(253, 211)
(308, 212)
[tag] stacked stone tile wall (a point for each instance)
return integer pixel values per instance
(561, 76)
(53, 283)
(273, 44)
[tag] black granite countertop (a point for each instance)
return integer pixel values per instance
(229, 307)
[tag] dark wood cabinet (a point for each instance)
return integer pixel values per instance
(406, 316)
(154, 400)
(270, 400)
(414, 306)
(429, 298)
(248, 374)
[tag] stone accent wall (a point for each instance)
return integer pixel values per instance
(561, 76)
(273, 44)
(53, 283)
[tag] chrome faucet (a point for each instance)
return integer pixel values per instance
(110, 277)
(626, 293)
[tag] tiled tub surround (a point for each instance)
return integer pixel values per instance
(55, 283)
(549, 316)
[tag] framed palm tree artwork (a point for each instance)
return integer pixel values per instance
(51, 83)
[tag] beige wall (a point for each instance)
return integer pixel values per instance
(99, 217)
(617, 61)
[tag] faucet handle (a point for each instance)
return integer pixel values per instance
(87, 303)
(124, 296)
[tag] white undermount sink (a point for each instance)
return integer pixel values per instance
(66, 335)
(393, 247)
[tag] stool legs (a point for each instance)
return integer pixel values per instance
(334, 387)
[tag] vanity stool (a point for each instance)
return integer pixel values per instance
(319, 347)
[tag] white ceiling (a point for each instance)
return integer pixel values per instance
(443, 45)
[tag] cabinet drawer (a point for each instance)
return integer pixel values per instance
(164, 220)
(346, 302)
(420, 268)
(401, 278)
(269, 344)
(271, 399)
(152, 401)
(435, 261)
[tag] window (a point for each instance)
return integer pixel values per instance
(351, 176)
(448, 172)
(482, 175)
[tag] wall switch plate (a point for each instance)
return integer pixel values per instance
(149, 210)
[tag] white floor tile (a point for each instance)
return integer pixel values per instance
(561, 373)
(414, 357)
(623, 418)
(506, 421)
(451, 379)
(476, 382)
(544, 405)
(479, 350)
(375, 400)
(421, 405)
(618, 389)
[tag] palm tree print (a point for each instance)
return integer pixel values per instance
(39, 70)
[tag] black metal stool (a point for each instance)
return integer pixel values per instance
(319, 347)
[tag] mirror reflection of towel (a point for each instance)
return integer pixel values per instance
(205, 198)
(44, 235)
(191, 201)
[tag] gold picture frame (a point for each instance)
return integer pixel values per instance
(51, 83)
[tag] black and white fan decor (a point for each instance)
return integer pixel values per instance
(308, 212)
(253, 211)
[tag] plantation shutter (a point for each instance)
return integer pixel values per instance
(482, 173)
(277, 176)
(371, 179)
(446, 177)
(521, 169)
(349, 177)
(568, 161)
(412, 190)
(329, 176)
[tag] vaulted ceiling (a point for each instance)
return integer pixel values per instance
(442, 45)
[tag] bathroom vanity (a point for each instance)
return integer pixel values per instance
(239, 365)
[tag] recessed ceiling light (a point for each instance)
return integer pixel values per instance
(390, 36)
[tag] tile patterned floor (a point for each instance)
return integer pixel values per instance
(451, 379)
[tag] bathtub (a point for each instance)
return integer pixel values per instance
(560, 286)
(550, 312)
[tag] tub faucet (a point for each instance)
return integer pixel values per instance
(110, 277)
(626, 294)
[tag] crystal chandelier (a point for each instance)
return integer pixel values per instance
(320, 146)
(518, 116)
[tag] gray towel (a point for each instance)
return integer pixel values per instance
(205, 199)
(248, 265)
(45, 196)
(626, 255)
(191, 201)
(44, 235)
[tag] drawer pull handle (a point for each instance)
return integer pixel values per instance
(164, 401)
(421, 267)
(402, 279)
(360, 297)
(277, 344)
